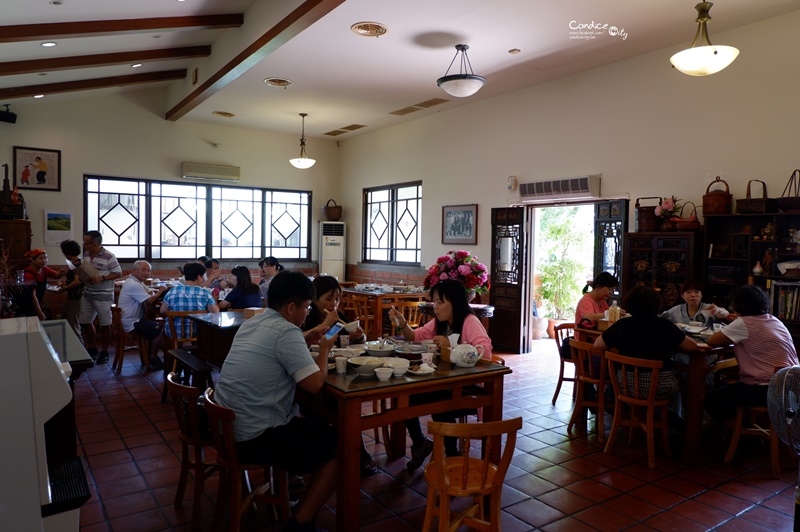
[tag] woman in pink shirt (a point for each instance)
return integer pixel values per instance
(593, 305)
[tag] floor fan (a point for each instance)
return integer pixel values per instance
(783, 399)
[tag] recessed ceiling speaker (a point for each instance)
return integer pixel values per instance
(8, 116)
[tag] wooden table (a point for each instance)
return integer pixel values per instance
(381, 302)
(343, 395)
(215, 332)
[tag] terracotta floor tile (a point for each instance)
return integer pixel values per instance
(632, 507)
(701, 513)
(724, 502)
(769, 518)
(681, 486)
(534, 512)
(585, 466)
(157, 463)
(145, 439)
(672, 521)
(593, 490)
(619, 481)
(657, 496)
(148, 521)
(743, 525)
(118, 488)
(401, 500)
(91, 513)
(568, 524)
(781, 504)
(393, 523)
(559, 475)
(108, 459)
(745, 491)
(565, 501)
(643, 472)
(601, 518)
(150, 451)
(531, 485)
(163, 477)
(103, 447)
(115, 472)
(530, 463)
(133, 503)
(97, 527)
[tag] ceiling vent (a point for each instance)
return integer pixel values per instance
(211, 172)
(561, 190)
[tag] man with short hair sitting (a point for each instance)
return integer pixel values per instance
(132, 300)
(188, 296)
(268, 359)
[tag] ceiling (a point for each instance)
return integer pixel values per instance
(338, 78)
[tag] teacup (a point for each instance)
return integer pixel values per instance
(707, 313)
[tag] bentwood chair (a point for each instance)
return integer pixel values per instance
(274, 490)
(123, 341)
(363, 312)
(590, 372)
(178, 356)
(411, 312)
(635, 382)
(466, 476)
(563, 332)
(194, 433)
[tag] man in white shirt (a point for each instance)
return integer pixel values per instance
(132, 300)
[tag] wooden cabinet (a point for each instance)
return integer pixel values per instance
(661, 260)
(15, 236)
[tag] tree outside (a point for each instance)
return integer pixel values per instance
(564, 257)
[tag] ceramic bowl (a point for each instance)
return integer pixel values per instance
(398, 365)
(365, 366)
(384, 374)
(351, 327)
(374, 349)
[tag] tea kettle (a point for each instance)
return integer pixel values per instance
(466, 355)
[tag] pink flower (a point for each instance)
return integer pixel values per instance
(451, 264)
(433, 269)
(461, 254)
(658, 210)
(454, 275)
(667, 204)
(443, 276)
(464, 270)
(443, 258)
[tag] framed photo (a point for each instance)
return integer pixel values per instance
(460, 224)
(37, 168)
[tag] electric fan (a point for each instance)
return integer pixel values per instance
(783, 399)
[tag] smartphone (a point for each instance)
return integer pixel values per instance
(334, 330)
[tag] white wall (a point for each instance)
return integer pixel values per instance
(126, 135)
(649, 129)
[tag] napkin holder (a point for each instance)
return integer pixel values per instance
(252, 311)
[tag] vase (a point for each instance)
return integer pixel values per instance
(668, 225)
(758, 269)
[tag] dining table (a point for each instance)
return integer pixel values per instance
(696, 371)
(380, 301)
(341, 402)
(215, 332)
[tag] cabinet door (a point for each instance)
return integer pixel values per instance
(15, 237)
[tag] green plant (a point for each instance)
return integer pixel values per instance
(559, 270)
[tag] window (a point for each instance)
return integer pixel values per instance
(391, 223)
(168, 220)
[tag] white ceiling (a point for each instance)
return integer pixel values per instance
(341, 79)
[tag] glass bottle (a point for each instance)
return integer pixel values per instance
(613, 312)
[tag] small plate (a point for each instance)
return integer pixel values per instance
(695, 330)
(423, 370)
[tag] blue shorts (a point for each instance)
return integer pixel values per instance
(301, 446)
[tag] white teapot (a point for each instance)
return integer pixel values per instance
(466, 355)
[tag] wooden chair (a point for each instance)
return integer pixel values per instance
(363, 312)
(465, 476)
(274, 490)
(178, 348)
(586, 357)
(629, 394)
(194, 438)
(754, 421)
(411, 312)
(123, 341)
(563, 331)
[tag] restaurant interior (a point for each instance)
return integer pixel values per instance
(602, 106)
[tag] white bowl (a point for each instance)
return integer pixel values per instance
(374, 349)
(351, 327)
(365, 366)
(398, 365)
(384, 374)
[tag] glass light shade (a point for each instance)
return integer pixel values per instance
(302, 162)
(704, 60)
(461, 85)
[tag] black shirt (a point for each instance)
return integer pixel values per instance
(651, 338)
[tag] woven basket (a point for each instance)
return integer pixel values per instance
(790, 199)
(687, 224)
(332, 213)
(717, 201)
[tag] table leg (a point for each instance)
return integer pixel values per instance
(694, 404)
(348, 483)
(494, 412)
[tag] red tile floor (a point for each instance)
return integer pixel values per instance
(129, 442)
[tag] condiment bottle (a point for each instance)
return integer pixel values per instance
(613, 312)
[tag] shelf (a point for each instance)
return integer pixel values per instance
(728, 259)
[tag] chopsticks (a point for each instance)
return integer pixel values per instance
(340, 319)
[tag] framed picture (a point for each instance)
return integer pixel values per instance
(460, 224)
(37, 168)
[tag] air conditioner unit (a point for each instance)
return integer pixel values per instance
(332, 251)
(209, 171)
(571, 189)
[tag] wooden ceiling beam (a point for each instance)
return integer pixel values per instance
(87, 61)
(88, 84)
(94, 28)
(282, 32)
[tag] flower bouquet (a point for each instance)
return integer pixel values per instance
(461, 266)
(669, 208)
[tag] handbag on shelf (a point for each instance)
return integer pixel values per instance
(760, 205)
(790, 199)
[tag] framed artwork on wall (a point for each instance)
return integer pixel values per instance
(37, 168)
(460, 224)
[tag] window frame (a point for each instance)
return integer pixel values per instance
(393, 201)
(147, 246)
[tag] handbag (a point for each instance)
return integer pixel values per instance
(760, 205)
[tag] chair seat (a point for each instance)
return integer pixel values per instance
(476, 484)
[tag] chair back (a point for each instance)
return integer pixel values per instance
(182, 330)
(590, 363)
(187, 411)
(465, 476)
(221, 419)
(563, 331)
(411, 312)
(363, 312)
(635, 380)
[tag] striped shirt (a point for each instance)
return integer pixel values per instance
(187, 297)
(761, 344)
(105, 263)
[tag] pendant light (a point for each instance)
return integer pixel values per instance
(303, 161)
(465, 83)
(703, 58)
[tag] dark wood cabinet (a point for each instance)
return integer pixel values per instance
(15, 237)
(661, 260)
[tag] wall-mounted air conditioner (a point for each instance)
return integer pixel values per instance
(557, 190)
(210, 171)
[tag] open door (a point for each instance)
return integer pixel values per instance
(610, 223)
(508, 329)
